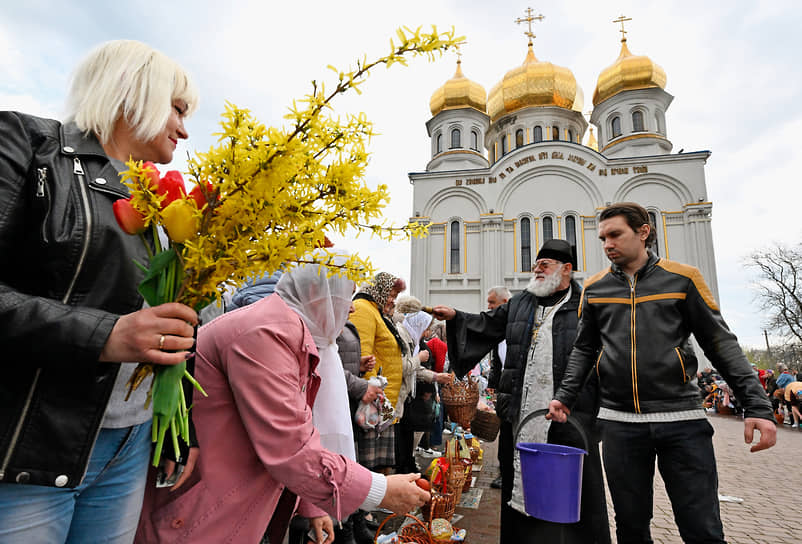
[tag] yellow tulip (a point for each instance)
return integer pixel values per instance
(180, 220)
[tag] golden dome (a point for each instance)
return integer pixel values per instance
(627, 73)
(534, 83)
(458, 92)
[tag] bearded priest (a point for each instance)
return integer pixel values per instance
(539, 325)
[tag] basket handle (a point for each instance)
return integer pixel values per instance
(542, 412)
(394, 515)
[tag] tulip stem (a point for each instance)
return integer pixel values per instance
(147, 245)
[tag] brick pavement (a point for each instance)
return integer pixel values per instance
(754, 477)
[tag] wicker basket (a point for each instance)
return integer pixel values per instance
(485, 425)
(442, 505)
(417, 532)
(460, 398)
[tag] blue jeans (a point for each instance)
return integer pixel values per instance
(684, 452)
(104, 507)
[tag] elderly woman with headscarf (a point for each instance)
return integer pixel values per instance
(373, 306)
(268, 421)
(414, 408)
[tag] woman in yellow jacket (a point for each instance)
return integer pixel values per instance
(379, 337)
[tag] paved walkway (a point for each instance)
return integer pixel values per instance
(763, 480)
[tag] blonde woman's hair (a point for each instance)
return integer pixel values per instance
(129, 79)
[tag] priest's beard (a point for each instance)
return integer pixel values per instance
(546, 286)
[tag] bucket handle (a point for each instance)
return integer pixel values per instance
(542, 412)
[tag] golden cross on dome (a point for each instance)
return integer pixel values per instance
(459, 51)
(621, 19)
(529, 19)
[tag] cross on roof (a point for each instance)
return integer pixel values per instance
(621, 19)
(529, 19)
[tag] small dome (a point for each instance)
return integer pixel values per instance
(458, 92)
(627, 73)
(592, 143)
(534, 83)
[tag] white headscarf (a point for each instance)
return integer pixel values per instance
(417, 323)
(323, 304)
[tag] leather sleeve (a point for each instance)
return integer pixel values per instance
(72, 333)
(720, 345)
(580, 362)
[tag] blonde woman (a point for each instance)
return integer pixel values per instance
(73, 454)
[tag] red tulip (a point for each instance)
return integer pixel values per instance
(153, 174)
(197, 195)
(171, 186)
(129, 219)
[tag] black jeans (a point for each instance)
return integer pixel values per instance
(684, 451)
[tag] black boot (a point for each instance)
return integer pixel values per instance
(344, 535)
(362, 534)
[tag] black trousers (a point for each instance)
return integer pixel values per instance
(593, 526)
(684, 452)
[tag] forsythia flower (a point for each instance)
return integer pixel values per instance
(271, 193)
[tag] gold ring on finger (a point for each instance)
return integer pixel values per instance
(161, 342)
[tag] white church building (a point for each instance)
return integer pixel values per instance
(508, 171)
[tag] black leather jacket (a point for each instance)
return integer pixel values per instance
(471, 336)
(635, 333)
(67, 276)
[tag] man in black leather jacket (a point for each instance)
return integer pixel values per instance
(69, 305)
(471, 336)
(635, 320)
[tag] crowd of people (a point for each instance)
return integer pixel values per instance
(277, 445)
(781, 385)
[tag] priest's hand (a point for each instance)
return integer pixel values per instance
(444, 312)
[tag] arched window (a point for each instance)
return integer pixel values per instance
(616, 127)
(455, 139)
(655, 246)
(659, 121)
(570, 135)
(548, 228)
(503, 144)
(555, 133)
(455, 247)
(637, 121)
(570, 232)
(474, 140)
(439, 143)
(538, 134)
(526, 245)
(519, 138)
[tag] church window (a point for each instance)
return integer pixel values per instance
(519, 138)
(474, 140)
(548, 228)
(439, 143)
(659, 120)
(616, 127)
(455, 247)
(503, 144)
(538, 134)
(555, 133)
(570, 135)
(455, 139)
(655, 246)
(637, 121)
(526, 245)
(570, 232)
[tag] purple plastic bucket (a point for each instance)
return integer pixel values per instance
(552, 481)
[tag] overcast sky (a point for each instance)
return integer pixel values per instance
(732, 66)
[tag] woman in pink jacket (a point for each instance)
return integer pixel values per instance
(261, 457)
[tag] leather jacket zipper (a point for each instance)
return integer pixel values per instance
(79, 173)
(41, 192)
(634, 346)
